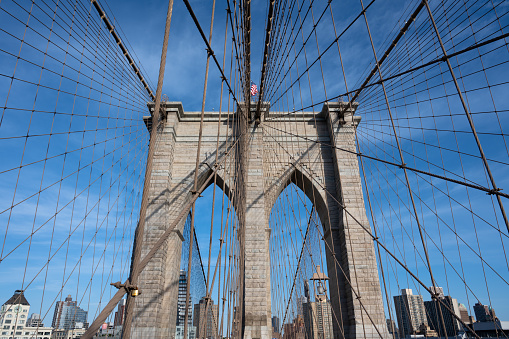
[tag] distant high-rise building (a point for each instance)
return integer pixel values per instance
(181, 302)
(206, 323)
(306, 290)
(181, 310)
(393, 330)
(436, 312)
(276, 324)
(439, 291)
(295, 330)
(484, 313)
(67, 314)
(465, 317)
(410, 312)
(34, 321)
(119, 314)
(179, 332)
(318, 319)
(301, 301)
(318, 314)
(472, 319)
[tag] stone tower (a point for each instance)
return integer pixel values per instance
(329, 176)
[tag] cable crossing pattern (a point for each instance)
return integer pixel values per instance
(360, 193)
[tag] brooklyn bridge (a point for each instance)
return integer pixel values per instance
(299, 169)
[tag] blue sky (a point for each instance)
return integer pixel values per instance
(122, 149)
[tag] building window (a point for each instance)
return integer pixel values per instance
(22, 316)
(7, 321)
(9, 315)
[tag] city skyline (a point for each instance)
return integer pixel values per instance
(486, 315)
(426, 311)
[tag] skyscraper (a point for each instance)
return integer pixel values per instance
(181, 302)
(34, 321)
(276, 325)
(393, 330)
(119, 314)
(295, 330)
(318, 319)
(181, 310)
(301, 301)
(67, 314)
(318, 314)
(484, 313)
(206, 323)
(439, 291)
(464, 313)
(410, 312)
(436, 312)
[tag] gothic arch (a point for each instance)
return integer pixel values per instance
(177, 202)
(313, 192)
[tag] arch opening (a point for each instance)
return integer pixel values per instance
(300, 289)
(212, 249)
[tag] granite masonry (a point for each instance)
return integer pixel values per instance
(269, 157)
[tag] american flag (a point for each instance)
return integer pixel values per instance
(254, 88)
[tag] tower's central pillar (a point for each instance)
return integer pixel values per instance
(256, 306)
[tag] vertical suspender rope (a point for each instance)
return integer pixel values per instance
(195, 187)
(472, 127)
(350, 102)
(111, 28)
(264, 63)
(469, 117)
(91, 331)
(138, 265)
(210, 285)
(247, 54)
(135, 268)
(407, 180)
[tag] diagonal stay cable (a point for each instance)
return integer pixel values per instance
(111, 29)
(402, 166)
(434, 296)
(211, 52)
(467, 113)
(441, 59)
(143, 263)
(299, 262)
